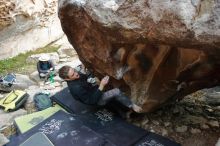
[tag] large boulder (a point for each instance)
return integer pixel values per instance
(66, 49)
(23, 82)
(156, 51)
(27, 25)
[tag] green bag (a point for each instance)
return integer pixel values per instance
(42, 101)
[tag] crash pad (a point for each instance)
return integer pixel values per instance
(153, 139)
(108, 129)
(107, 123)
(112, 127)
(26, 122)
(66, 101)
(64, 129)
(38, 139)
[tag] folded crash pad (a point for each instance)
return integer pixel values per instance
(26, 122)
(66, 101)
(63, 129)
(38, 139)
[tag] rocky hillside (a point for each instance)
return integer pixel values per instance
(27, 25)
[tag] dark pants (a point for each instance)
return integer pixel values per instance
(117, 95)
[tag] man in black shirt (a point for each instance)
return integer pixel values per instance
(91, 94)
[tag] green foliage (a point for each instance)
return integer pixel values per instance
(18, 63)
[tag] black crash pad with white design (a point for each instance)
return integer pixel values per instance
(112, 127)
(153, 139)
(64, 129)
(109, 125)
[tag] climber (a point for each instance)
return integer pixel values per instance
(88, 93)
(44, 66)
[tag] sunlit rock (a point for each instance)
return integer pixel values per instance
(27, 25)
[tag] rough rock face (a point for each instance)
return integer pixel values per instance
(155, 50)
(27, 25)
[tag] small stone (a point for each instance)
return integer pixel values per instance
(181, 129)
(204, 126)
(164, 132)
(56, 84)
(47, 83)
(55, 90)
(213, 123)
(194, 131)
(166, 124)
(1, 96)
(152, 130)
(176, 110)
(30, 107)
(144, 122)
(146, 126)
(63, 60)
(62, 56)
(155, 122)
(3, 139)
(218, 142)
(137, 124)
(64, 84)
(160, 113)
(213, 99)
(210, 110)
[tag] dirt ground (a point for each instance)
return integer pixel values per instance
(206, 138)
(190, 122)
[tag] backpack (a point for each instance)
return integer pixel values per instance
(8, 80)
(42, 101)
(14, 100)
